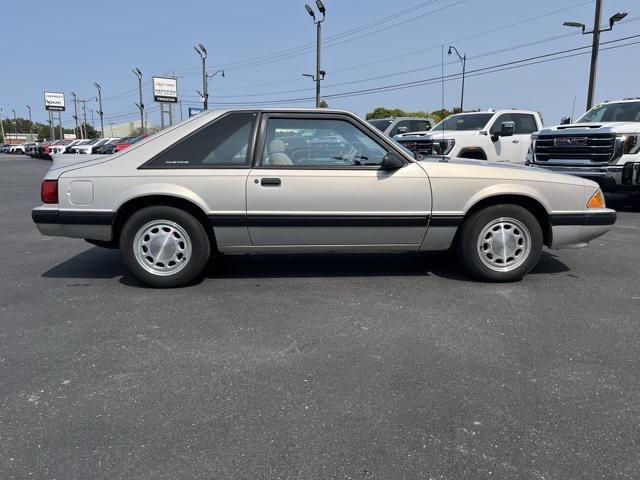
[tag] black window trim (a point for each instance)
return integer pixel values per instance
(250, 148)
(367, 130)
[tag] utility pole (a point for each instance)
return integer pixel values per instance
(200, 50)
(60, 124)
(2, 126)
(30, 125)
(84, 114)
(138, 73)
(75, 115)
(595, 46)
(319, 73)
(100, 112)
(51, 130)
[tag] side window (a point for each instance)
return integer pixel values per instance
(224, 143)
(420, 126)
(497, 125)
(405, 125)
(309, 143)
(525, 123)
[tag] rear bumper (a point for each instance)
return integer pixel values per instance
(94, 225)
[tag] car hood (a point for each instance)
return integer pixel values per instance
(436, 134)
(592, 127)
(463, 167)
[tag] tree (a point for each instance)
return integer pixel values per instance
(324, 104)
(436, 115)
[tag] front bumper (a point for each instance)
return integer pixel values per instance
(575, 230)
(611, 178)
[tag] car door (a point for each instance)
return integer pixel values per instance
(317, 182)
(525, 125)
(506, 149)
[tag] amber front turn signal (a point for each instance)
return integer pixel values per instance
(596, 200)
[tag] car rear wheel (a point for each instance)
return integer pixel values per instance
(501, 243)
(164, 246)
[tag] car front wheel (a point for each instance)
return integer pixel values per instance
(164, 246)
(501, 243)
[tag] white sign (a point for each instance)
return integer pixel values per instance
(165, 89)
(54, 101)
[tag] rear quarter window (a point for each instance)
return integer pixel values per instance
(221, 144)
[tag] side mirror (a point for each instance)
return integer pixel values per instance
(507, 128)
(402, 130)
(392, 161)
(565, 120)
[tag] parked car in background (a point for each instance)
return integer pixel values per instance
(17, 149)
(397, 125)
(28, 147)
(124, 143)
(88, 148)
(105, 147)
(225, 181)
(4, 148)
(498, 136)
(602, 145)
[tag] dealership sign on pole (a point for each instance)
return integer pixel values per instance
(195, 110)
(165, 90)
(54, 101)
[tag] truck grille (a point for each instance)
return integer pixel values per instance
(568, 149)
(421, 148)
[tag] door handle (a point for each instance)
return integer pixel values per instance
(516, 141)
(270, 182)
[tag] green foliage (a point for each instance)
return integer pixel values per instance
(436, 115)
(323, 104)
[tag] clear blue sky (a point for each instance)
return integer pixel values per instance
(67, 46)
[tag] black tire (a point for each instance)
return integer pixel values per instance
(200, 246)
(467, 243)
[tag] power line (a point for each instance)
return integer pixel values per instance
(484, 70)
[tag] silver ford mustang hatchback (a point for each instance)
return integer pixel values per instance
(243, 181)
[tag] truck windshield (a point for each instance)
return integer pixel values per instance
(612, 112)
(472, 121)
(381, 124)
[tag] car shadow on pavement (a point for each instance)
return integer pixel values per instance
(100, 263)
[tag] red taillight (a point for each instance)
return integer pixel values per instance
(49, 191)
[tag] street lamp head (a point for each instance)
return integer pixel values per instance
(223, 74)
(310, 11)
(137, 72)
(322, 73)
(97, 85)
(449, 52)
(204, 50)
(617, 17)
(320, 6)
(575, 24)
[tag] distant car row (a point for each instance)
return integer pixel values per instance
(96, 146)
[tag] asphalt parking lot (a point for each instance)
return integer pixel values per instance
(382, 366)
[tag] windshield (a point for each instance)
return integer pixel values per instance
(612, 112)
(472, 121)
(381, 125)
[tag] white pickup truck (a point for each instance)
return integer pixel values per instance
(603, 145)
(497, 136)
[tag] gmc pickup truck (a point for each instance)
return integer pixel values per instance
(602, 145)
(497, 136)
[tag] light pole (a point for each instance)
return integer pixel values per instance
(318, 23)
(595, 47)
(75, 116)
(100, 112)
(463, 60)
(211, 76)
(205, 91)
(30, 125)
(138, 73)
(15, 124)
